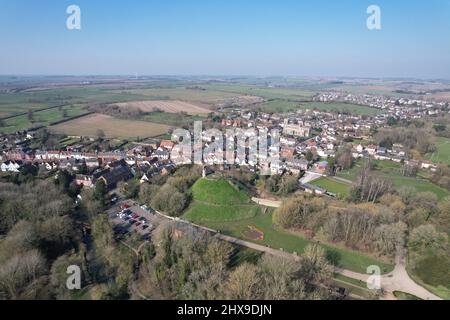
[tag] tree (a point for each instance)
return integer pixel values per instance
(30, 115)
(100, 134)
(309, 155)
(100, 191)
(314, 266)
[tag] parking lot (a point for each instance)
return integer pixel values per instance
(128, 217)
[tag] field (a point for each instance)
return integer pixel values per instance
(220, 206)
(40, 118)
(392, 171)
(112, 127)
(269, 93)
(205, 97)
(342, 107)
(340, 189)
(442, 154)
(165, 106)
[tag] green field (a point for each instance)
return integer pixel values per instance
(172, 119)
(442, 153)
(264, 92)
(342, 107)
(219, 205)
(340, 189)
(392, 171)
(40, 118)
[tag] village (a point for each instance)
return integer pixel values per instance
(309, 140)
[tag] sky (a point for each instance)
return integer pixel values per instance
(326, 38)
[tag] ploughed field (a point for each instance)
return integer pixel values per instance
(112, 127)
(165, 106)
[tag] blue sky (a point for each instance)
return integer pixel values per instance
(227, 37)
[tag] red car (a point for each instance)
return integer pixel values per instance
(135, 217)
(138, 224)
(124, 206)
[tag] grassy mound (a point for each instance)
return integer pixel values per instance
(218, 200)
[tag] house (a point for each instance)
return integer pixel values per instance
(297, 165)
(115, 175)
(11, 166)
(310, 188)
(299, 129)
(144, 179)
(287, 153)
(84, 180)
(167, 144)
(371, 149)
(426, 164)
(322, 166)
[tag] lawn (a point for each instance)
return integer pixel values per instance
(340, 189)
(442, 153)
(342, 107)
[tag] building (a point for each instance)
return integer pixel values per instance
(298, 130)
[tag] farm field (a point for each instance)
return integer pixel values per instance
(340, 189)
(204, 97)
(280, 106)
(342, 107)
(392, 171)
(442, 153)
(40, 118)
(220, 206)
(112, 127)
(165, 106)
(269, 93)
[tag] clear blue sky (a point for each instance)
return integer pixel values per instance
(227, 37)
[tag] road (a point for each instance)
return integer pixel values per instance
(310, 176)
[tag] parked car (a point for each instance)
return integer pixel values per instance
(138, 224)
(135, 217)
(144, 226)
(142, 219)
(131, 221)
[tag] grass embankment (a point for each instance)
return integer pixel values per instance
(220, 206)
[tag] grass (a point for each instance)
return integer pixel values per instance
(172, 119)
(218, 192)
(434, 274)
(265, 92)
(340, 189)
(278, 238)
(392, 171)
(218, 200)
(221, 206)
(405, 296)
(442, 153)
(112, 127)
(279, 106)
(342, 107)
(40, 118)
